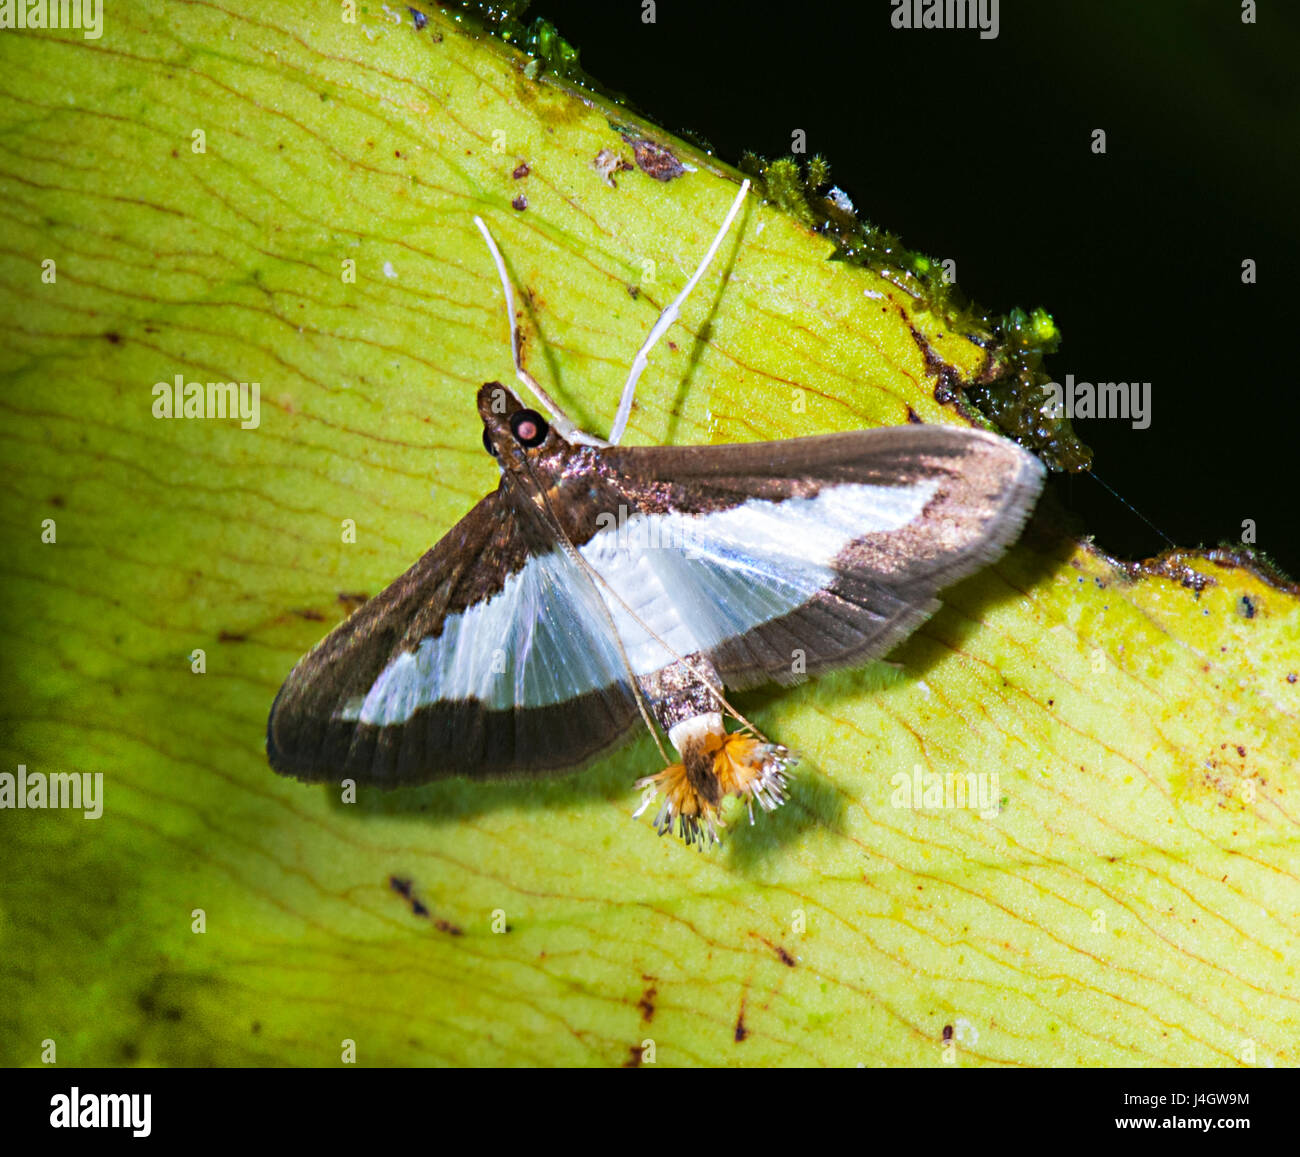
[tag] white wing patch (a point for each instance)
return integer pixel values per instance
(697, 580)
(541, 639)
(692, 580)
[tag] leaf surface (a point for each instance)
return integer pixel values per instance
(1130, 897)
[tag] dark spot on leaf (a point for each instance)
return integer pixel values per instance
(56, 499)
(113, 337)
(633, 1057)
(521, 170)
(310, 614)
(785, 957)
(351, 600)
(1246, 607)
(231, 637)
(913, 417)
(257, 1027)
(520, 203)
(129, 1051)
(647, 1002)
(418, 18)
(1241, 751)
(741, 1031)
(947, 1032)
(1291, 678)
(404, 886)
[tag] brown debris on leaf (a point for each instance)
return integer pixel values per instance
(654, 160)
(607, 163)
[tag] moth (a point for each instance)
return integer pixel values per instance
(603, 585)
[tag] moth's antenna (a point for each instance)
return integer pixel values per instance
(562, 423)
(666, 319)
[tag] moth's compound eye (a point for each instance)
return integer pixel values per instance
(487, 443)
(529, 428)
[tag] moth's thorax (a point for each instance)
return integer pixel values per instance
(572, 485)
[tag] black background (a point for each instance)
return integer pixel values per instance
(979, 150)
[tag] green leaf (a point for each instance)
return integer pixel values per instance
(1131, 901)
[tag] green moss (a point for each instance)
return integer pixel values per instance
(550, 51)
(1015, 401)
(1010, 393)
(819, 172)
(782, 184)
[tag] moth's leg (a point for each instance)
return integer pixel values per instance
(666, 319)
(562, 423)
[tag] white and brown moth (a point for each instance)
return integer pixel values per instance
(600, 584)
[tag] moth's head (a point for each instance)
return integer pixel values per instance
(511, 430)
